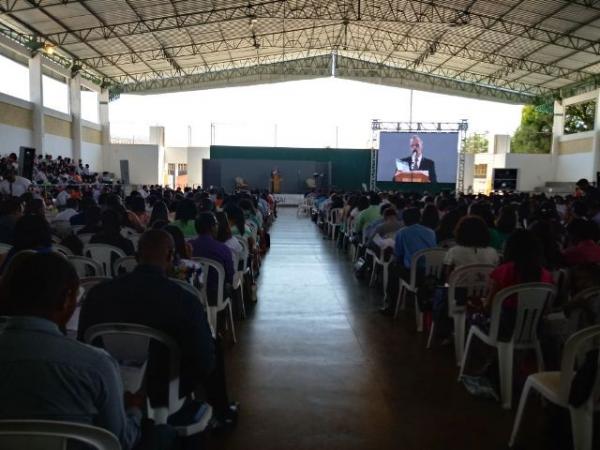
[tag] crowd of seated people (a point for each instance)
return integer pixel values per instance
(525, 238)
(165, 229)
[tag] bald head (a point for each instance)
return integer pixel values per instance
(156, 248)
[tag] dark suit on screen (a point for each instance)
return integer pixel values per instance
(425, 164)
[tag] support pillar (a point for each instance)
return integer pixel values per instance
(36, 97)
(75, 110)
(108, 165)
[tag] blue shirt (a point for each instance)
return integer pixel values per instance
(45, 375)
(411, 239)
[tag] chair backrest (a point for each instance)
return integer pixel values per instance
(578, 344)
(124, 265)
(50, 435)
(61, 249)
(584, 309)
(5, 248)
(207, 265)
(191, 289)
(561, 281)
(531, 301)
(61, 227)
(431, 260)
(335, 216)
(132, 235)
(85, 237)
(245, 251)
(85, 284)
(103, 254)
(129, 344)
(474, 278)
(86, 267)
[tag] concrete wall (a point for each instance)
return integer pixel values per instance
(144, 162)
(195, 157)
(16, 131)
(534, 170)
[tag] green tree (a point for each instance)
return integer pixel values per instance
(534, 134)
(476, 143)
(580, 117)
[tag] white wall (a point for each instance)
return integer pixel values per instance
(92, 154)
(534, 170)
(570, 168)
(195, 157)
(11, 138)
(144, 162)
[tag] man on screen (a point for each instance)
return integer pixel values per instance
(416, 162)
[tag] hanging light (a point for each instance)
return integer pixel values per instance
(49, 48)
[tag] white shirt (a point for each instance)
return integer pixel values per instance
(16, 188)
(236, 250)
(62, 197)
(459, 256)
(65, 215)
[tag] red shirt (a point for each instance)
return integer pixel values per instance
(505, 276)
(586, 252)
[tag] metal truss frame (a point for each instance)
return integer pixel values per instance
(377, 126)
(376, 41)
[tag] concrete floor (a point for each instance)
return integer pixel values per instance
(317, 367)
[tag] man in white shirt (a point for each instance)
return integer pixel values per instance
(62, 197)
(14, 185)
(69, 211)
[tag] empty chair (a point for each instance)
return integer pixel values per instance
(48, 434)
(124, 265)
(222, 303)
(428, 262)
(531, 301)
(103, 254)
(86, 267)
(556, 387)
(129, 344)
(65, 251)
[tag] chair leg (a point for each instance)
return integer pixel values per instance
(505, 362)
(459, 336)
(431, 333)
(539, 356)
(582, 426)
(418, 315)
(231, 322)
(519, 417)
(463, 364)
(399, 299)
(373, 274)
(242, 298)
(385, 280)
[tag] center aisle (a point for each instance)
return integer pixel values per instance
(317, 367)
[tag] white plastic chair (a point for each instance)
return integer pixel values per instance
(129, 344)
(86, 267)
(334, 221)
(379, 260)
(474, 278)
(556, 388)
(61, 249)
(241, 269)
(305, 207)
(5, 248)
(124, 265)
(431, 261)
(48, 434)
(103, 254)
(62, 227)
(85, 237)
(222, 302)
(532, 299)
(132, 235)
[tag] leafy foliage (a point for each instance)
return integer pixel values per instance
(476, 143)
(580, 117)
(534, 134)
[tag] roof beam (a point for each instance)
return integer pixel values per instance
(415, 11)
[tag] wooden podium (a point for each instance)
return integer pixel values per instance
(417, 176)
